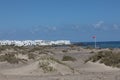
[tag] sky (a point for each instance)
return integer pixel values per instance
(74, 20)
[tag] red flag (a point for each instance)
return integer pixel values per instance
(94, 37)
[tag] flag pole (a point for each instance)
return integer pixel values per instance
(94, 37)
(95, 42)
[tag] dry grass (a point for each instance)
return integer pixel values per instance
(31, 56)
(65, 51)
(47, 63)
(68, 58)
(107, 57)
(11, 58)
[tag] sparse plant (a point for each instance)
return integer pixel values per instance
(11, 58)
(107, 57)
(92, 52)
(71, 46)
(34, 49)
(78, 49)
(31, 56)
(89, 47)
(65, 50)
(111, 48)
(68, 58)
(46, 66)
(47, 63)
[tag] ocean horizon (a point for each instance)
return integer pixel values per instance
(102, 44)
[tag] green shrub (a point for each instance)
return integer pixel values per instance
(68, 58)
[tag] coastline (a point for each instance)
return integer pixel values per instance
(101, 44)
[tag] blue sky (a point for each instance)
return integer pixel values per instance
(75, 20)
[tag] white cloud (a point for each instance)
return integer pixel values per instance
(101, 26)
(53, 28)
(33, 31)
(76, 27)
(115, 26)
(98, 24)
(50, 29)
(38, 29)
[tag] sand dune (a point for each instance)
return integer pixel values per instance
(83, 71)
(33, 69)
(97, 67)
(25, 70)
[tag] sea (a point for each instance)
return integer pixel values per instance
(103, 44)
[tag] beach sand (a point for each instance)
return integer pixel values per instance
(82, 71)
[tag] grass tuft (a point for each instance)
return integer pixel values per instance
(47, 63)
(68, 58)
(11, 58)
(107, 57)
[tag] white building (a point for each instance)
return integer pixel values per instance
(34, 42)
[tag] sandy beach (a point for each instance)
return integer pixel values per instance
(30, 69)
